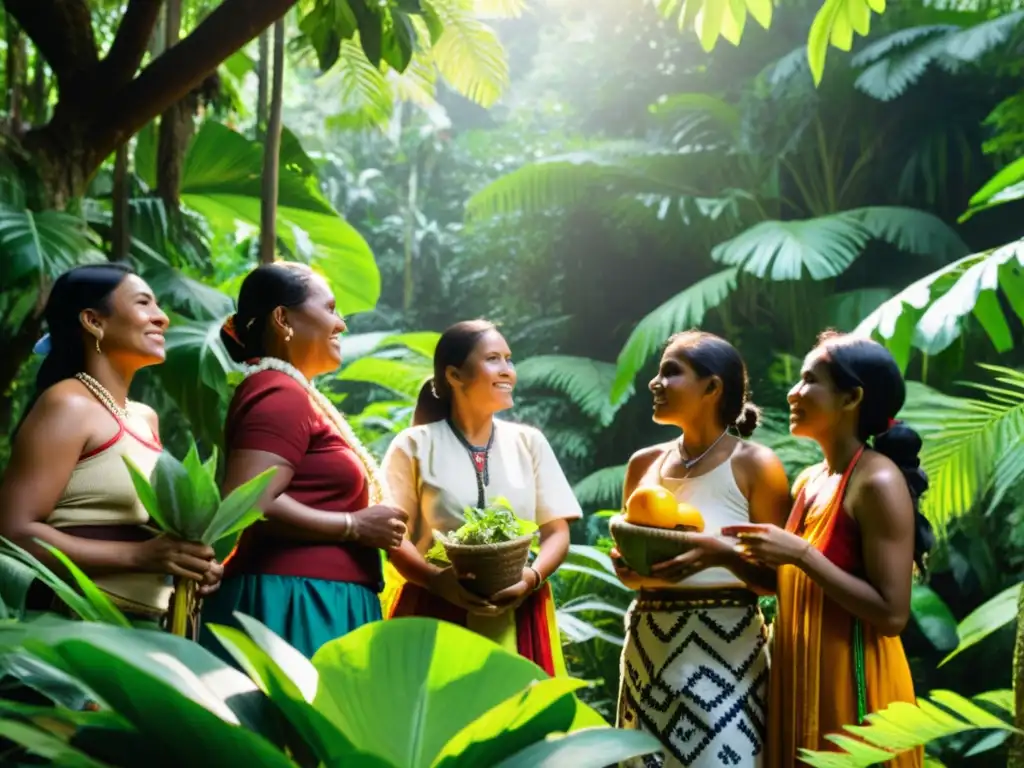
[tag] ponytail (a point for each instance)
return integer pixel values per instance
(902, 445)
(429, 406)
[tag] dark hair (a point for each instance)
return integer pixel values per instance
(80, 288)
(269, 286)
(711, 355)
(456, 344)
(865, 364)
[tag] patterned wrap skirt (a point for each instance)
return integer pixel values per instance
(695, 675)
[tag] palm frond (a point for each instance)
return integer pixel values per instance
(825, 246)
(615, 168)
(38, 245)
(586, 382)
(683, 311)
(990, 616)
(363, 92)
(469, 55)
(602, 488)
(901, 727)
(898, 60)
(960, 437)
(932, 312)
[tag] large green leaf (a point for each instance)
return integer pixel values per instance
(931, 313)
(586, 382)
(933, 617)
(988, 617)
(468, 54)
(422, 343)
(221, 179)
(585, 749)
(402, 378)
(901, 727)
(238, 511)
(435, 677)
(38, 742)
(683, 311)
(835, 23)
(37, 245)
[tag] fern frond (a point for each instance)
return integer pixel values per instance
(901, 727)
(602, 488)
(586, 382)
(363, 92)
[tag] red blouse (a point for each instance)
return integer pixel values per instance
(272, 412)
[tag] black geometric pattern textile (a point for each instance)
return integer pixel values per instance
(697, 679)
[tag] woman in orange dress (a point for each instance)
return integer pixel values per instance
(846, 557)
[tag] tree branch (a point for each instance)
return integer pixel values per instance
(62, 31)
(177, 71)
(130, 44)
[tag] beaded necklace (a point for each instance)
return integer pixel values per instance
(102, 394)
(326, 407)
(480, 456)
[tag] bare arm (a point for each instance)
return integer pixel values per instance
(638, 465)
(882, 506)
(375, 526)
(62, 425)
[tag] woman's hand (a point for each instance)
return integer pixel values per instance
(380, 526)
(768, 544)
(512, 597)
(213, 579)
(626, 575)
(445, 584)
(164, 554)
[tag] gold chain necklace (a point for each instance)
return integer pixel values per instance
(102, 394)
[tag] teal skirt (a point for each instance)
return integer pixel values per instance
(305, 612)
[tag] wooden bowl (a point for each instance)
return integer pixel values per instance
(642, 546)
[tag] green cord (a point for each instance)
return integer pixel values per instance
(858, 671)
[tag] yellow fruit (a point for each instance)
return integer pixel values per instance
(655, 507)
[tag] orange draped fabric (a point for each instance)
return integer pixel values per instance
(813, 691)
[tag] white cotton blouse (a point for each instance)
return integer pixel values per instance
(429, 474)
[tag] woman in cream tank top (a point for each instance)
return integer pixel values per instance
(66, 483)
(695, 662)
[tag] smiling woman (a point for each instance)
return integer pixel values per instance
(457, 455)
(312, 570)
(67, 484)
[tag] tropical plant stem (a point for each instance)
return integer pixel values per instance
(181, 610)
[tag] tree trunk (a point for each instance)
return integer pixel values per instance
(272, 154)
(40, 91)
(263, 78)
(176, 127)
(15, 72)
(121, 225)
(1016, 756)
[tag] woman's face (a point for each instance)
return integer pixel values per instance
(132, 332)
(816, 406)
(680, 395)
(488, 376)
(316, 327)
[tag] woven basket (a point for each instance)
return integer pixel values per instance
(642, 546)
(494, 566)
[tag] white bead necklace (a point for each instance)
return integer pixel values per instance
(334, 416)
(102, 394)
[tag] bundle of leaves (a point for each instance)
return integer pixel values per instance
(494, 524)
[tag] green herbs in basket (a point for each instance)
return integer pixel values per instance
(494, 524)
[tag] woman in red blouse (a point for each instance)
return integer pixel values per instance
(312, 570)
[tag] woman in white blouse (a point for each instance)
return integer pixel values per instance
(457, 455)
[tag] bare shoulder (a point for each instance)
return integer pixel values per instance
(756, 460)
(879, 489)
(65, 412)
(642, 459)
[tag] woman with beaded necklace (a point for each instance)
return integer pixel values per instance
(66, 483)
(312, 570)
(695, 660)
(457, 455)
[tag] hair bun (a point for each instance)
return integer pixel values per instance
(748, 420)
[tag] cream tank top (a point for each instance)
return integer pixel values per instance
(100, 492)
(719, 500)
